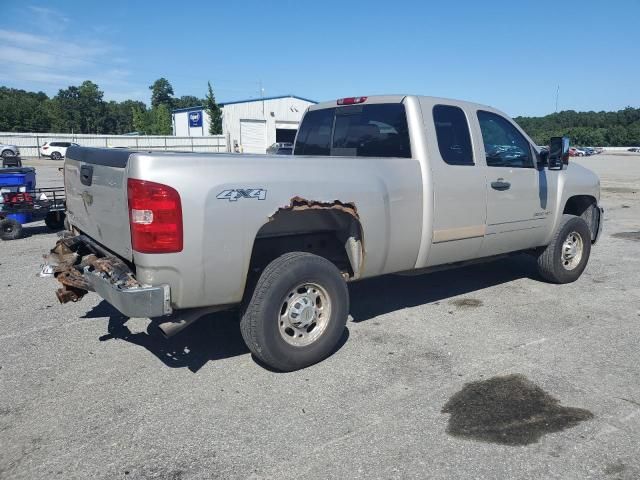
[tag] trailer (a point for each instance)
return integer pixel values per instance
(19, 207)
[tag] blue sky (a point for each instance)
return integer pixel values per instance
(509, 54)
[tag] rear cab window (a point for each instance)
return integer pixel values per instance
(375, 130)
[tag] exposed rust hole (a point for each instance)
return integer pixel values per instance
(300, 204)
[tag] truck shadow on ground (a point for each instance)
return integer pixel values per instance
(377, 296)
(217, 336)
(213, 337)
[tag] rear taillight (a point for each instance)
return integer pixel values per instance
(155, 215)
(44, 147)
(351, 100)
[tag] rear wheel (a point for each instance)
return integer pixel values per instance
(10, 229)
(297, 312)
(55, 156)
(8, 153)
(55, 220)
(566, 257)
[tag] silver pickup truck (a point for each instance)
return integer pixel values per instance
(377, 185)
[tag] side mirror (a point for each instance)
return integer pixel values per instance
(558, 152)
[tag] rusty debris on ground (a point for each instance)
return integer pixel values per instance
(73, 257)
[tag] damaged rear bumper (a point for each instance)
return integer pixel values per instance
(81, 265)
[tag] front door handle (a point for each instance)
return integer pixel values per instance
(500, 184)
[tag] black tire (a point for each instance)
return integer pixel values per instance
(10, 229)
(261, 316)
(56, 156)
(8, 153)
(553, 266)
(55, 220)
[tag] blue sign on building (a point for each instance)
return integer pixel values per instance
(195, 119)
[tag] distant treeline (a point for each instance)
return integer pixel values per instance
(81, 109)
(593, 129)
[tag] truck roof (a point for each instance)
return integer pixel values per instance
(371, 99)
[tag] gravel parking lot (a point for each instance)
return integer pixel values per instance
(546, 377)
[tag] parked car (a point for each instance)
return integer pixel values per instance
(576, 152)
(56, 150)
(588, 151)
(281, 149)
(634, 149)
(7, 151)
(377, 185)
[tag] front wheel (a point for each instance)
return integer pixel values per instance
(297, 312)
(566, 257)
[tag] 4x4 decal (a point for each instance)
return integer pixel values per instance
(234, 194)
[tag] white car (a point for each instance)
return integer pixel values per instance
(9, 151)
(56, 150)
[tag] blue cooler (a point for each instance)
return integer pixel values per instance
(18, 177)
(14, 180)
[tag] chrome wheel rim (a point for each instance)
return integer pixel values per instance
(572, 249)
(304, 314)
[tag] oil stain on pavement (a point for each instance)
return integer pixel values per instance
(466, 303)
(627, 235)
(509, 410)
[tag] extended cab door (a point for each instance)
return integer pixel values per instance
(459, 185)
(520, 196)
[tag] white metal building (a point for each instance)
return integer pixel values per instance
(253, 124)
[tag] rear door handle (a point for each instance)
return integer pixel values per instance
(500, 184)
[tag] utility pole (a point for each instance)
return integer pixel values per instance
(557, 95)
(262, 97)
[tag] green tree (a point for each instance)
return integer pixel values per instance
(118, 116)
(161, 93)
(187, 101)
(141, 120)
(161, 120)
(214, 112)
(22, 111)
(65, 111)
(91, 106)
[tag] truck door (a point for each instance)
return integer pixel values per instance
(518, 194)
(459, 186)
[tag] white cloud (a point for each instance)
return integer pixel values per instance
(32, 61)
(49, 15)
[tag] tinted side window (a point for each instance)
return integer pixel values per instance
(452, 131)
(314, 136)
(503, 144)
(55, 144)
(378, 130)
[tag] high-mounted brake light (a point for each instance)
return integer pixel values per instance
(155, 217)
(351, 100)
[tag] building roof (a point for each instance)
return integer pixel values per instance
(222, 104)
